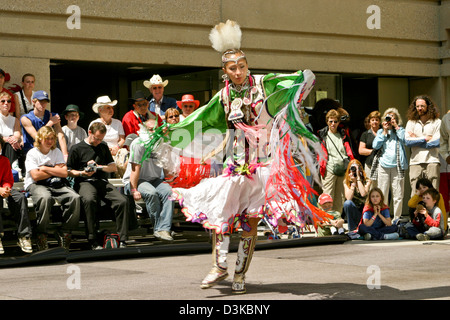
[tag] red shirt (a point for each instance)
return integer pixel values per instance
(6, 176)
(131, 121)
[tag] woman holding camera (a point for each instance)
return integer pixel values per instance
(365, 142)
(337, 147)
(390, 162)
(356, 188)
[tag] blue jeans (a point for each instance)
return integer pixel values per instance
(353, 214)
(156, 195)
(377, 234)
(432, 232)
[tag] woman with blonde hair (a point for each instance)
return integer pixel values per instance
(45, 179)
(356, 188)
(390, 163)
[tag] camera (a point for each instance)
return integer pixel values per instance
(420, 206)
(92, 167)
(353, 170)
(388, 118)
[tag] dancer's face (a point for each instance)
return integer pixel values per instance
(236, 71)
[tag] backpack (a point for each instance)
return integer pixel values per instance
(111, 241)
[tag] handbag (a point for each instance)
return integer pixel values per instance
(339, 169)
(54, 182)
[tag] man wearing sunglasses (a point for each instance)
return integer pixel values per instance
(159, 103)
(139, 115)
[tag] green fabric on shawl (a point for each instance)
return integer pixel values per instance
(212, 115)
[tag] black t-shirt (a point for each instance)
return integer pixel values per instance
(367, 137)
(81, 153)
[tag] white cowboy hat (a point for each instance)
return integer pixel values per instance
(155, 80)
(103, 101)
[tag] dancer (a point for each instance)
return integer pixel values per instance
(264, 172)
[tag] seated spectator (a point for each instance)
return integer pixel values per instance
(46, 181)
(115, 135)
(390, 163)
(38, 118)
(73, 133)
(23, 98)
(333, 226)
(187, 105)
(172, 116)
(159, 103)
(143, 181)
(428, 222)
(10, 130)
(422, 185)
(17, 205)
(139, 115)
(377, 223)
(356, 189)
(4, 77)
(89, 163)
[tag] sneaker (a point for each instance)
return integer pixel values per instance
(367, 237)
(64, 239)
(163, 235)
(25, 244)
(41, 242)
(122, 244)
(391, 236)
(2, 251)
(423, 237)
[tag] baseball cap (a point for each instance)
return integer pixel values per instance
(41, 95)
(324, 198)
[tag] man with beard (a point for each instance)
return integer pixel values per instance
(422, 136)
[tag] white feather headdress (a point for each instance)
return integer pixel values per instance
(226, 36)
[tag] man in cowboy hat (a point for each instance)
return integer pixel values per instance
(39, 117)
(159, 103)
(72, 131)
(139, 115)
(187, 105)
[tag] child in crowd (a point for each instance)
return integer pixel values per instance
(377, 223)
(330, 227)
(73, 133)
(422, 185)
(428, 222)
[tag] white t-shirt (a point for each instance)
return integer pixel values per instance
(149, 170)
(74, 136)
(7, 125)
(35, 158)
(113, 131)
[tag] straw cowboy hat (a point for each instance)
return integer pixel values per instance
(103, 101)
(155, 80)
(188, 98)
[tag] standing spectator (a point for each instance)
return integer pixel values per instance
(422, 134)
(143, 181)
(89, 163)
(377, 223)
(428, 222)
(73, 133)
(38, 118)
(46, 181)
(187, 105)
(365, 143)
(10, 130)
(17, 204)
(336, 145)
(159, 103)
(356, 189)
(390, 163)
(172, 116)
(4, 77)
(139, 115)
(23, 98)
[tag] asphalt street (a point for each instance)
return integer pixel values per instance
(289, 270)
